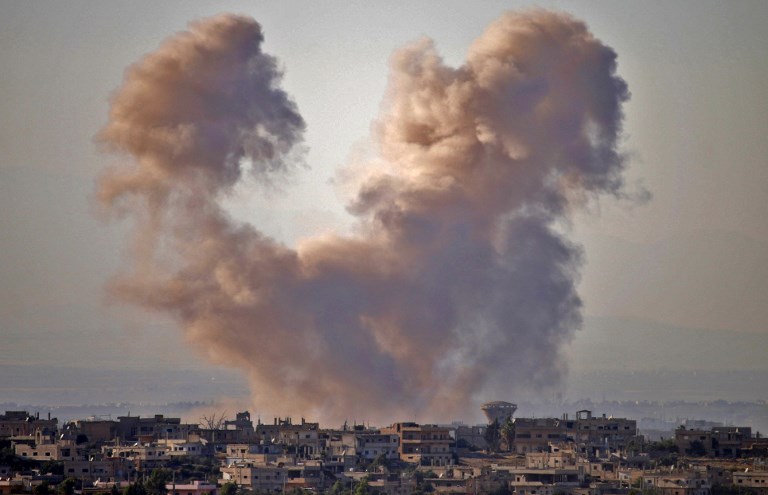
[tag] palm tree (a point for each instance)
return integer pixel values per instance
(508, 433)
(492, 436)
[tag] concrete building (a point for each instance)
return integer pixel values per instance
(43, 446)
(132, 428)
(428, 445)
(602, 435)
(93, 469)
(193, 488)
(269, 477)
(664, 482)
(535, 434)
(473, 436)
(718, 441)
(367, 445)
(755, 481)
(21, 423)
(148, 454)
(97, 430)
(181, 448)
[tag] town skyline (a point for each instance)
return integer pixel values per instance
(684, 271)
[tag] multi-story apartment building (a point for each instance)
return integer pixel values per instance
(367, 445)
(44, 446)
(258, 477)
(422, 444)
(602, 434)
(97, 430)
(535, 434)
(718, 441)
(132, 428)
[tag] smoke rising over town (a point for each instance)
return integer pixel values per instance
(457, 284)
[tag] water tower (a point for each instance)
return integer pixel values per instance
(498, 411)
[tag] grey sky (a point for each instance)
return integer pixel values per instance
(695, 256)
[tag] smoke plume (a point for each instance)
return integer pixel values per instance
(456, 287)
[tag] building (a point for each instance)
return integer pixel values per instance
(97, 430)
(602, 435)
(147, 454)
(755, 481)
(718, 441)
(44, 446)
(261, 477)
(193, 488)
(21, 423)
(471, 436)
(428, 445)
(535, 434)
(692, 482)
(132, 428)
(366, 445)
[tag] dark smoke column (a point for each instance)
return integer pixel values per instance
(457, 284)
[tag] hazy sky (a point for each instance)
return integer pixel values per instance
(695, 256)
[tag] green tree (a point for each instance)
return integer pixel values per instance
(338, 489)
(135, 489)
(52, 467)
(228, 489)
(155, 484)
(362, 488)
(697, 449)
(379, 461)
(492, 436)
(67, 487)
(507, 433)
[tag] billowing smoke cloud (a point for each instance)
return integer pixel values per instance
(457, 286)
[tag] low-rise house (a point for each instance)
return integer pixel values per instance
(181, 448)
(91, 469)
(193, 488)
(146, 453)
(673, 482)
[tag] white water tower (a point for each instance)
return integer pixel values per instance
(498, 410)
